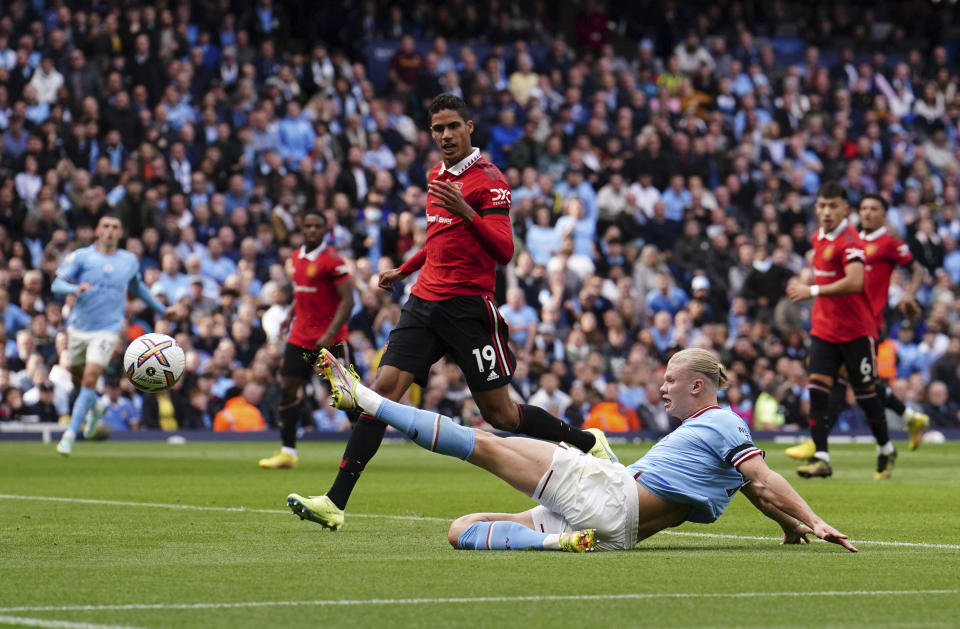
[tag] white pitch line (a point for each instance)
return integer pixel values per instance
(55, 624)
(418, 518)
(474, 599)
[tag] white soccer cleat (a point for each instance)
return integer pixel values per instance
(65, 447)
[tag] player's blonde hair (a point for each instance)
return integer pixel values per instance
(703, 362)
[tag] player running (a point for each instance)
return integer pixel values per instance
(586, 503)
(883, 253)
(843, 330)
(322, 301)
(451, 309)
(100, 276)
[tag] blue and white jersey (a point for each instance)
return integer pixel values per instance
(100, 309)
(697, 463)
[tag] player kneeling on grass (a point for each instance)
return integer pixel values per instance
(587, 503)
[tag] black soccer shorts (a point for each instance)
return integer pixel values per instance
(469, 328)
(859, 355)
(298, 361)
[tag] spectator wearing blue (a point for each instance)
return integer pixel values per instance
(121, 414)
(502, 138)
(951, 258)
(575, 224)
(676, 198)
(295, 136)
(666, 296)
(378, 155)
(217, 265)
(522, 319)
(14, 318)
(575, 185)
(179, 112)
(171, 282)
(662, 332)
(542, 240)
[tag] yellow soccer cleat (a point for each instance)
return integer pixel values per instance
(801, 451)
(815, 467)
(279, 460)
(584, 541)
(601, 449)
(319, 509)
(343, 381)
(916, 425)
(885, 463)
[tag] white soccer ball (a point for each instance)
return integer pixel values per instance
(153, 363)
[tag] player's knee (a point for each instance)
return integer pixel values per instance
(458, 526)
(501, 416)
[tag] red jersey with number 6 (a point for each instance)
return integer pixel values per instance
(315, 276)
(884, 252)
(841, 318)
(460, 257)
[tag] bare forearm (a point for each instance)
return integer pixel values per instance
(776, 492)
(767, 508)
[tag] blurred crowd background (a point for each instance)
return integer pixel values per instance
(663, 158)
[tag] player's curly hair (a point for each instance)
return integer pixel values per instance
(449, 101)
(703, 362)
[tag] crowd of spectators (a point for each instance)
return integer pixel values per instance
(663, 162)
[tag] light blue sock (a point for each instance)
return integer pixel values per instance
(432, 431)
(500, 535)
(83, 403)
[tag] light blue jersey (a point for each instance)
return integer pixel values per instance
(697, 463)
(101, 309)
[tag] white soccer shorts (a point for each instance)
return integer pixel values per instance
(580, 491)
(91, 347)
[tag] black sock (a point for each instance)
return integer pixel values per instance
(838, 400)
(876, 416)
(819, 408)
(890, 400)
(363, 443)
(289, 418)
(536, 422)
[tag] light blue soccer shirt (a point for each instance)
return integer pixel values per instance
(100, 309)
(697, 463)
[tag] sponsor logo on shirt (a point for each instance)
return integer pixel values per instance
(443, 220)
(501, 196)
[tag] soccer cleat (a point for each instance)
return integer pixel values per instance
(916, 425)
(601, 449)
(343, 381)
(885, 463)
(279, 460)
(584, 541)
(815, 467)
(94, 415)
(319, 509)
(65, 446)
(801, 451)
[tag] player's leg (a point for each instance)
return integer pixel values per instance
(824, 363)
(297, 368)
(476, 335)
(92, 351)
(860, 357)
(915, 421)
(515, 531)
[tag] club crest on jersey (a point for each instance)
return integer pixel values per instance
(457, 184)
(871, 249)
(108, 268)
(311, 270)
(828, 252)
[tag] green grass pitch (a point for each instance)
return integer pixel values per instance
(156, 535)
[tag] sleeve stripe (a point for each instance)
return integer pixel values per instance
(493, 211)
(735, 451)
(746, 454)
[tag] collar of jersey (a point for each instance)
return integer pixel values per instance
(458, 169)
(313, 255)
(874, 234)
(836, 232)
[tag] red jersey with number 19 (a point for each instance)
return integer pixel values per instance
(315, 276)
(884, 253)
(460, 257)
(841, 318)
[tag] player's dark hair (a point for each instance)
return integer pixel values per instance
(832, 190)
(876, 197)
(449, 101)
(314, 212)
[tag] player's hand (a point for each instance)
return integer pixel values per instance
(285, 324)
(796, 533)
(450, 198)
(389, 278)
(325, 341)
(797, 290)
(176, 311)
(829, 534)
(82, 288)
(909, 307)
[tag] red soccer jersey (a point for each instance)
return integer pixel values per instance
(884, 253)
(842, 318)
(459, 257)
(315, 276)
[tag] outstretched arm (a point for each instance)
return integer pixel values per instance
(774, 496)
(143, 292)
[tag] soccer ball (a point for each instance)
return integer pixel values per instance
(153, 363)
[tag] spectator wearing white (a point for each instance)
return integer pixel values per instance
(47, 81)
(691, 54)
(612, 199)
(549, 396)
